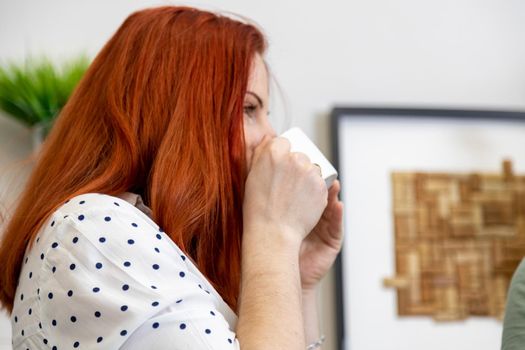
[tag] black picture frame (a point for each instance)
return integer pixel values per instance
(341, 113)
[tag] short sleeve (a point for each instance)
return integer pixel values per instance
(112, 280)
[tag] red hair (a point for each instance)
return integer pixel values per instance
(160, 113)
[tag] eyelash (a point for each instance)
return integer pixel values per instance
(250, 109)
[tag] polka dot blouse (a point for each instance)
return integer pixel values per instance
(102, 275)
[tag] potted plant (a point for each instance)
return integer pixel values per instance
(35, 91)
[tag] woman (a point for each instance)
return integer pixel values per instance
(163, 211)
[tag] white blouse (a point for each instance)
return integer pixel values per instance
(102, 275)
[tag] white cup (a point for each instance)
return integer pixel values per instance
(301, 143)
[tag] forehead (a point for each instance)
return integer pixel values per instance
(258, 81)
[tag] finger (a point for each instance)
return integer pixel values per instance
(334, 191)
(259, 149)
(262, 144)
(336, 186)
(283, 143)
(337, 221)
(301, 157)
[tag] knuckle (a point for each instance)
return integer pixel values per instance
(278, 145)
(283, 141)
(301, 159)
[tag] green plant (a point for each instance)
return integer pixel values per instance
(35, 91)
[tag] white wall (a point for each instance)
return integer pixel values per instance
(454, 53)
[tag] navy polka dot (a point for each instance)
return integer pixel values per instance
(22, 332)
(54, 347)
(26, 260)
(127, 267)
(30, 311)
(30, 274)
(45, 341)
(22, 296)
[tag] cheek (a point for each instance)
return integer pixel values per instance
(251, 140)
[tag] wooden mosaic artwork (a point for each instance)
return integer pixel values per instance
(458, 240)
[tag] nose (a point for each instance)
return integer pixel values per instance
(269, 130)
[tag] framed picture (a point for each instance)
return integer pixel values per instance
(432, 199)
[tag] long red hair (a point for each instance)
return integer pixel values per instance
(160, 113)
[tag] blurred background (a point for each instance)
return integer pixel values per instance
(408, 53)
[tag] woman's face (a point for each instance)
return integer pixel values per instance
(256, 121)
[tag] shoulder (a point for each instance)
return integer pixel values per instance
(98, 208)
(108, 269)
(97, 216)
(107, 274)
(93, 231)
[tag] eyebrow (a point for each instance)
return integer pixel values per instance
(257, 97)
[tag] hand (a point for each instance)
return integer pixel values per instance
(320, 248)
(283, 190)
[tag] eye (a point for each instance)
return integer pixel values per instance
(250, 110)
